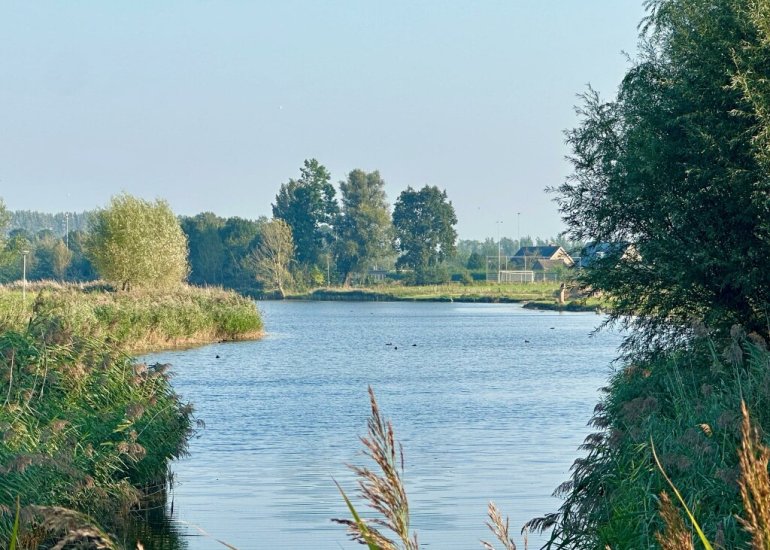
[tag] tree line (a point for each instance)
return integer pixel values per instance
(316, 236)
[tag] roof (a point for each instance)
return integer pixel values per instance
(596, 251)
(538, 251)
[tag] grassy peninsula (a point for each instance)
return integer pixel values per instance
(138, 321)
(85, 430)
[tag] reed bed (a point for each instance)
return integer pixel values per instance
(687, 403)
(84, 430)
(140, 320)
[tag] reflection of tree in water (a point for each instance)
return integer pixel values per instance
(155, 527)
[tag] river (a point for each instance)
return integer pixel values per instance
(490, 402)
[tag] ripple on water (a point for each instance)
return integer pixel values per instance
(483, 415)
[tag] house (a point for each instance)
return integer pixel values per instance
(596, 251)
(540, 258)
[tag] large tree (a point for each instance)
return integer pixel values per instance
(309, 207)
(674, 173)
(207, 251)
(273, 255)
(134, 242)
(424, 223)
(364, 233)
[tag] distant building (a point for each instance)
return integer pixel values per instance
(596, 251)
(540, 258)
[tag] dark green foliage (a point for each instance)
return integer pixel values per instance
(671, 168)
(83, 426)
(424, 223)
(675, 167)
(239, 238)
(309, 207)
(689, 405)
(219, 249)
(206, 249)
(364, 230)
(475, 261)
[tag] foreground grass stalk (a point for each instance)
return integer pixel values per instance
(384, 491)
(701, 535)
(500, 528)
(754, 484)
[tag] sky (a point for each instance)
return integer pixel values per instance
(212, 105)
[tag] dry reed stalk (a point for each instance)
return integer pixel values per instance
(754, 484)
(675, 535)
(384, 491)
(500, 529)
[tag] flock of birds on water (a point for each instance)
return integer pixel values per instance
(395, 348)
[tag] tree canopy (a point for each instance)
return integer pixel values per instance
(674, 173)
(424, 223)
(134, 242)
(309, 206)
(364, 230)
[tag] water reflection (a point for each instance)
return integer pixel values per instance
(155, 527)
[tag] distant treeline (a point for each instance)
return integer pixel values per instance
(219, 249)
(59, 223)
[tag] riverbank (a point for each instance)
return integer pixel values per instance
(139, 321)
(532, 295)
(85, 430)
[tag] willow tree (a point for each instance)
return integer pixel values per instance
(273, 256)
(137, 243)
(673, 175)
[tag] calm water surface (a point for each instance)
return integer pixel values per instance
(490, 402)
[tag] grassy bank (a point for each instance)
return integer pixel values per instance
(85, 432)
(537, 295)
(137, 321)
(83, 428)
(688, 405)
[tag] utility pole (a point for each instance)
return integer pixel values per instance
(499, 252)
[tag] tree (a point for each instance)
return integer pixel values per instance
(52, 257)
(364, 231)
(475, 261)
(424, 223)
(207, 251)
(80, 267)
(309, 207)
(675, 172)
(273, 256)
(239, 237)
(134, 242)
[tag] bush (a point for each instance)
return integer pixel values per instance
(688, 404)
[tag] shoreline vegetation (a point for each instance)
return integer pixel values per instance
(542, 296)
(139, 321)
(86, 431)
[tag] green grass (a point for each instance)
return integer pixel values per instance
(478, 292)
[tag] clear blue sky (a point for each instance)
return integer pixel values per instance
(212, 105)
